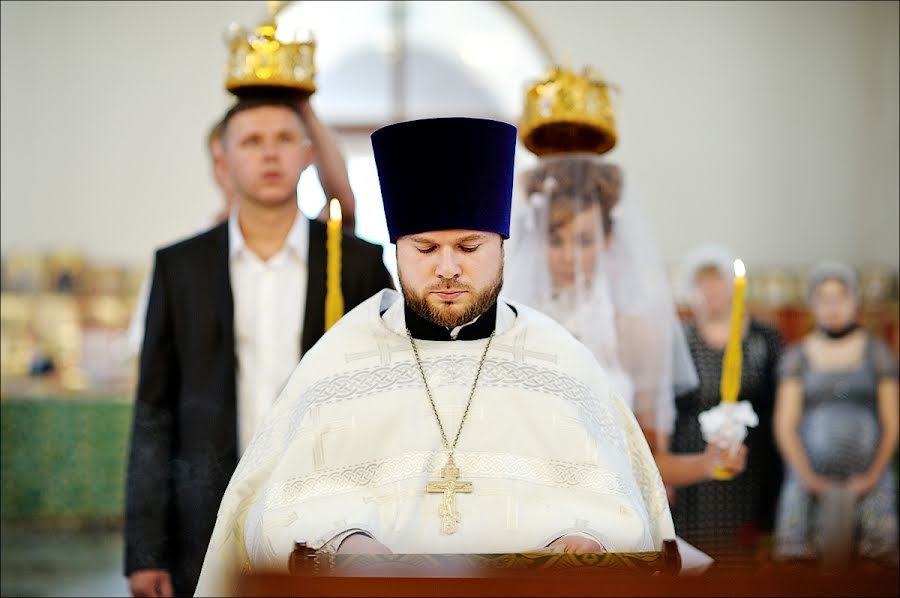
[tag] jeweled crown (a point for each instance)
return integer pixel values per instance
(568, 112)
(259, 58)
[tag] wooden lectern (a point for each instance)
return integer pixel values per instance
(547, 574)
(305, 561)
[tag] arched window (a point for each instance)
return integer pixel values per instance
(385, 61)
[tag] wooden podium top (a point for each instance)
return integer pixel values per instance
(720, 582)
(601, 574)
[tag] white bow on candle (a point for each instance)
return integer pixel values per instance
(727, 423)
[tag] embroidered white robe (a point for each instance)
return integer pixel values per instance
(352, 441)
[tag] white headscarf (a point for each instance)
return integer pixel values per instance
(831, 269)
(705, 256)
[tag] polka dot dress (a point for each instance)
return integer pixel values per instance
(727, 519)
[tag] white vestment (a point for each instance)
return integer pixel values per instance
(352, 441)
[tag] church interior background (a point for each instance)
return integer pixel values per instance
(771, 128)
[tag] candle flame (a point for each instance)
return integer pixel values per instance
(739, 269)
(335, 209)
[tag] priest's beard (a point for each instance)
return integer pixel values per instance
(453, 315)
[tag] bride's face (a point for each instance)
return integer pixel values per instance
(576, 239)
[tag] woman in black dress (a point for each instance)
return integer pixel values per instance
(730, 519)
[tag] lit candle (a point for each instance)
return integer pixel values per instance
(334, 298)
(730, 384)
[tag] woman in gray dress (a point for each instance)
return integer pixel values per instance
(836, 425)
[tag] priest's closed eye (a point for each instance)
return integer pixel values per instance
(428, 249)
(469, 248)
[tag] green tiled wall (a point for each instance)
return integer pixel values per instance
(63, 459)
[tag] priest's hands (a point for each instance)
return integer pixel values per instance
(362, 544)
(150, 583)
(574, 543)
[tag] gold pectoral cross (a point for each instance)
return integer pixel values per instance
(449, 486)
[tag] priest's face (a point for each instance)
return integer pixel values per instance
(450, 277)
(265, 149)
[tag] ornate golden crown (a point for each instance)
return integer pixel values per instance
(260, 59)
(568, 112)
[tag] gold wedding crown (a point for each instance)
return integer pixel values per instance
(568, 112)
(259, 58)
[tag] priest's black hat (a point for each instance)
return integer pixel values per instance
(445, 174)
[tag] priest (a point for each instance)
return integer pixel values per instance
(444, 419)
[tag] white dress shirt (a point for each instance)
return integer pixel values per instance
(269, 301)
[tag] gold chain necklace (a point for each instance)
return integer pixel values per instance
(449, 485)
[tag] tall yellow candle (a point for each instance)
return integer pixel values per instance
(334, 297)
(730, 384)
